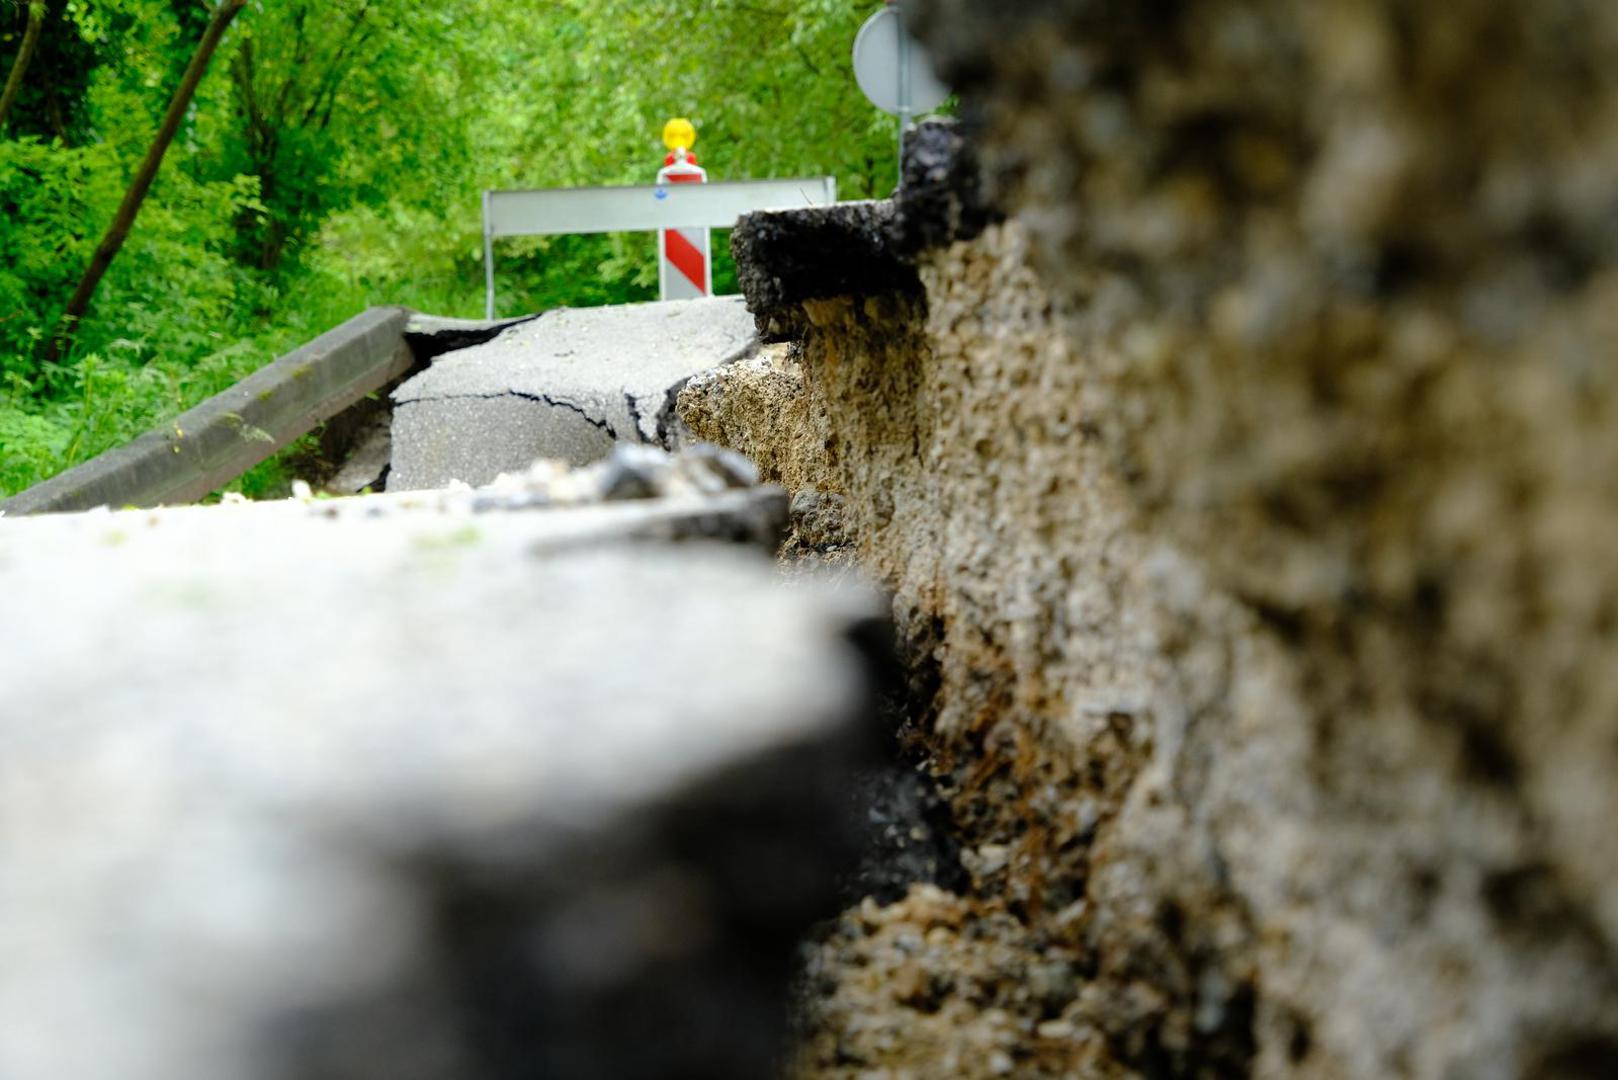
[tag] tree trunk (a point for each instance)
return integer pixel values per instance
(19, 67)
(124, 220)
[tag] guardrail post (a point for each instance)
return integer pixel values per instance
(488, 258)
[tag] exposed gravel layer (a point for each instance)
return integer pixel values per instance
(1274, 687)
(933, 986)
(759, 403)
(1343, 279)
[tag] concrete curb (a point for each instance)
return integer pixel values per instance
(228, 434)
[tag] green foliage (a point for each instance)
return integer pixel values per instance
(52, 99)
(333, 159)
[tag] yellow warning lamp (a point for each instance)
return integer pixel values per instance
(678, 134)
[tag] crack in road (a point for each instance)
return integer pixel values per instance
(634, 416)
(669, 416)
(538, 399)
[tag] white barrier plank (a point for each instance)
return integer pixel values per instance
(648, 207)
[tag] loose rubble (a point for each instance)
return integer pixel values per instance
(629, 472)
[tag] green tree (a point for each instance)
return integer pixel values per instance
(51, 101)
(118, 232)
(25, 56)
(289, 81)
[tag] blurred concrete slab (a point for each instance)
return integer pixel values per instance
(568, 385)
(390, 788)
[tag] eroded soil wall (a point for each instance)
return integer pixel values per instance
(1344, 279)
(1270, 645)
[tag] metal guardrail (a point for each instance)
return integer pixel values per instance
(210, 445)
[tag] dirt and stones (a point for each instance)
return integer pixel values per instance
(1263, 622)
(1343, 277)
(931, 985)
(761, 399)
(963, 490)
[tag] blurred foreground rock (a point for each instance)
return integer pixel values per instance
(416, 787)
(1248, 500)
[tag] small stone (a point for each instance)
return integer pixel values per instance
(987, 860)
(712, 469)
(634, 472)
(911, 985)
(1052, 984)
(819, 518)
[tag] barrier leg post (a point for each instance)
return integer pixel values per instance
(488, 260)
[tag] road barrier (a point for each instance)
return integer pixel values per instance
(684, 256)
(680, 210)
(642, 208)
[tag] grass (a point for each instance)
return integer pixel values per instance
(101, 399)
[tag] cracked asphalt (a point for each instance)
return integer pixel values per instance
(567, 385)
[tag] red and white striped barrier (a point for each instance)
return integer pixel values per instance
(684, 256)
